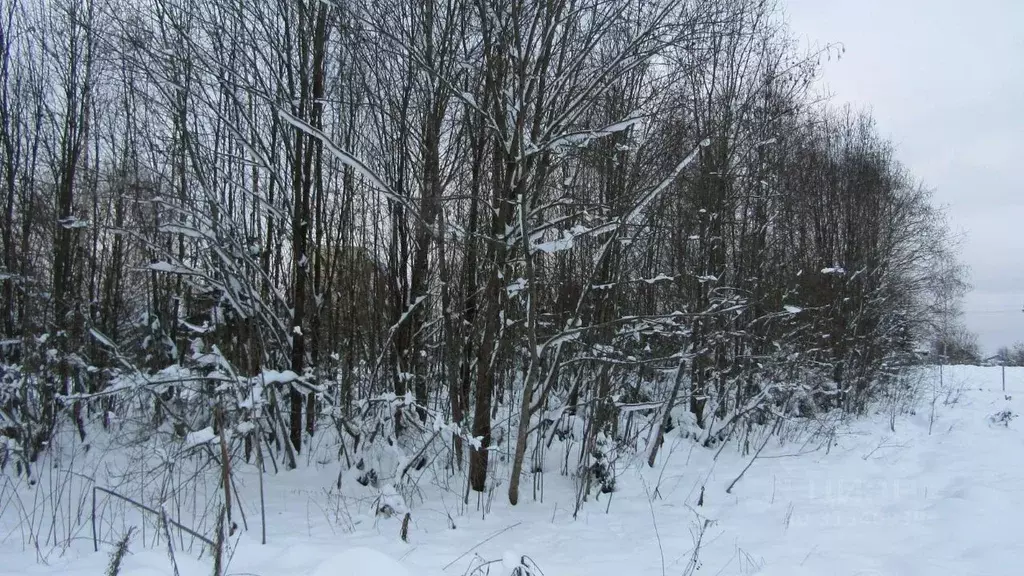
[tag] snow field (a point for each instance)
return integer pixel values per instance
(940, 494)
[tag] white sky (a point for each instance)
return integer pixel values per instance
(945, 81)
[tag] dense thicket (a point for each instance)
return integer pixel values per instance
(391, 218)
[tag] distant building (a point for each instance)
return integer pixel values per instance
(996, 360)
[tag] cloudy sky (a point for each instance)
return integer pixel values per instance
(945, 80)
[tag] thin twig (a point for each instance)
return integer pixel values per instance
(481, 543)
(657, 534)
(767, 437)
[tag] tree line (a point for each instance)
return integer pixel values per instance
(475, 224)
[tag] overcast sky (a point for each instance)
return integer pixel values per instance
(945, 81)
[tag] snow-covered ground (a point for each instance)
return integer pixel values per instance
(939, 491)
